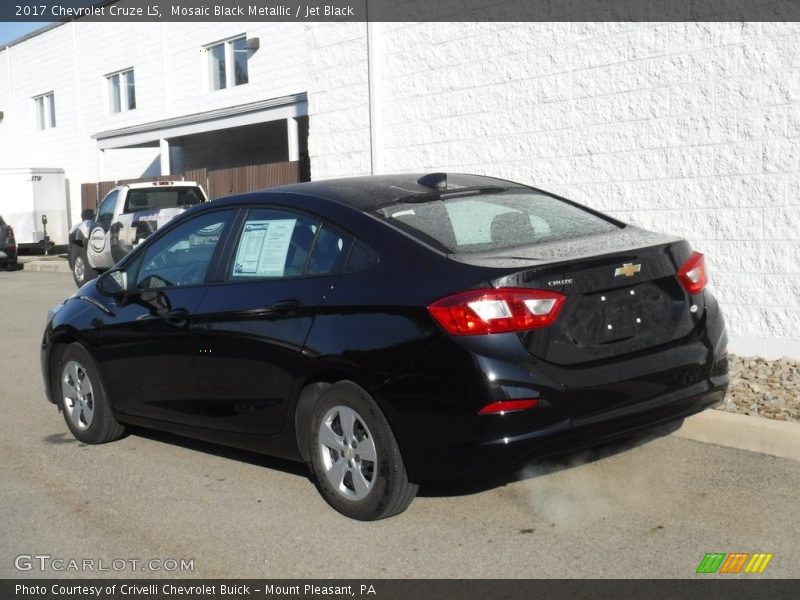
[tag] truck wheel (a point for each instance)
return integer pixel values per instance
(79, 265)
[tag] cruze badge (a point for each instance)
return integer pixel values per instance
(627, 270)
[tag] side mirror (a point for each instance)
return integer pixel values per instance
(87, 214)
(112, 283)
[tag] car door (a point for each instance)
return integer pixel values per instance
(148, 354)
(98, 246)
(252, 328)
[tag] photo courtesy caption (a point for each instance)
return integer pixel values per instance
(169, 589)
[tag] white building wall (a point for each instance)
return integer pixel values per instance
(171, 72)
(692, 129)
(338, 93)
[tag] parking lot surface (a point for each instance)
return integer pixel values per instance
(650, 507)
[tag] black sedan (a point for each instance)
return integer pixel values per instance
(390, 330)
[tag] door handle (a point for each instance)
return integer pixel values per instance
(177, 317)
(286, 307)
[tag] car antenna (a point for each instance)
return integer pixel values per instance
(434, 180)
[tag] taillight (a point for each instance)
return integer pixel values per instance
(496, 310)
(10, 231)
(692, 273)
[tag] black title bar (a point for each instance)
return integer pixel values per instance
(401, 10)
(710, 588)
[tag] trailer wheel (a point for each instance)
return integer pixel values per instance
(79, 265)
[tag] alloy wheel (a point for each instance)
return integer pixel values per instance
(348, 453)
(76, 389)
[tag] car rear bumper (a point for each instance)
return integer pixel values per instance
(577, 405)
(506, 453)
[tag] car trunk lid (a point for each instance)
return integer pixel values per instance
(622, 292)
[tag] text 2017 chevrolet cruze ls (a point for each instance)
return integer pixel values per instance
(390, 330)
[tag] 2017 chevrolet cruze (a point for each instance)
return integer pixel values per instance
(390, 330)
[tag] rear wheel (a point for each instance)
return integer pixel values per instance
(82, 398)
(355, 458)
(79, 265)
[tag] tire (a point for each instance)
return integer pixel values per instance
(354, 485)
(82, 397)
(79, 265)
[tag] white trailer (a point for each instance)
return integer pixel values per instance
(27, 194)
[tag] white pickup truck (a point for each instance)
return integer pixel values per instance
(126, 216)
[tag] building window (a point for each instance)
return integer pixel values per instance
(227, 63)
(121, 91)
(45, 111)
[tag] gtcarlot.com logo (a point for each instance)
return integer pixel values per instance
(732, 563)
(46, 562)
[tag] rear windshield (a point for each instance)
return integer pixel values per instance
(486, 222)
(162, 197)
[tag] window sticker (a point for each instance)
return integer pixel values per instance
(263, 248)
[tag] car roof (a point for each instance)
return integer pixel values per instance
(372, 191)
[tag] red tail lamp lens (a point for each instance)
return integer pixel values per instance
(504, 406)
(692, 274)
(497, 310)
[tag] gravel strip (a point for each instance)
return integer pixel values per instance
(768, 388)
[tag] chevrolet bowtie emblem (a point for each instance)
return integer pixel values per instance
(627, 269)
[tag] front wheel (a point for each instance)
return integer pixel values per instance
(355, 458)
(82, 397)
(79, 265)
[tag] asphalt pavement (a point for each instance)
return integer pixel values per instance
(649, 507)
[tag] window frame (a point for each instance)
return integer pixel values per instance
(123, 86)
(45, 111)
(229, 58)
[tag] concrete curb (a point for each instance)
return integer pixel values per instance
(51, 264)
(745, 432)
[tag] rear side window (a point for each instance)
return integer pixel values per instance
(330, 252)
(486, 222)
(361, 257)
(274, 244)
(161, 197)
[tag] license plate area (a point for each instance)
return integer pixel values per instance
(618, 315)
(612, 316)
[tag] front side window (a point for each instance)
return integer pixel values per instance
(479, 222)
(106, 210)
(45, 111)
(121, 91)
(227, 63)
(182, 257)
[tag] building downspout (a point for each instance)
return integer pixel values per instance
(79, 124)
(376, 158)
(10, 108)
